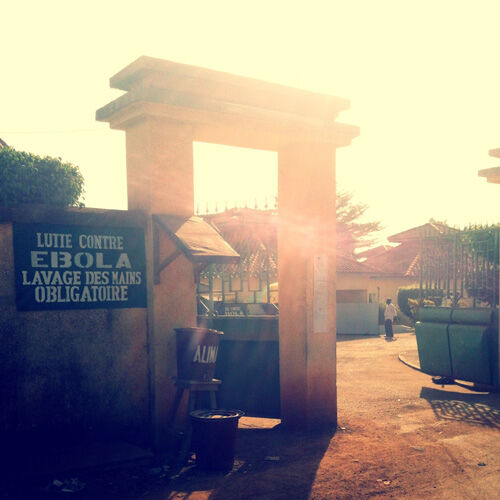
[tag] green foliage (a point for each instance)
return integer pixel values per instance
(481, 279)
(415, 304)
(405, 293)
(351, 233)
(409, 296)
(28, 178)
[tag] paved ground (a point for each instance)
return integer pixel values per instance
(399, 436)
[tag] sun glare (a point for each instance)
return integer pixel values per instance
(241, 177)
(421, 80)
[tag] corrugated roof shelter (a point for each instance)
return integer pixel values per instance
(196, 239)
(199, 241)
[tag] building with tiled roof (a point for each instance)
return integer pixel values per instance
(402, 259)
(372, 252)
(398, 264)
(253, 234)
(348, 265)
(425, 230)
(355, 281)
(397, 260)
(375, 275)
(251, 287)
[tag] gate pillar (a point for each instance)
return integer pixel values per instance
(160, 166)
(168, 105)
(306, 249)
(159, 155)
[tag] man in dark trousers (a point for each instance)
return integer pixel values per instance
(389, 315)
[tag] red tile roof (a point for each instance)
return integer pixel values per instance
(403, 259)
(371, 252)
(349, 265)
(400, 260)
(253, 234)
(415, 233)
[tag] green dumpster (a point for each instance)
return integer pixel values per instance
(435, 314)
(472, 316)
(433, 348)
(469, 348)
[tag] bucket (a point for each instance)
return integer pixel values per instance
(214, 438)
(197, 350)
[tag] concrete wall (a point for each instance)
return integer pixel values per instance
(388, 287)
(356, 287)
(357, 319)
(71, 373)
(349, 296)
(380, 287)
(356, 281)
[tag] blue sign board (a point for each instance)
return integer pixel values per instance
(79, 267)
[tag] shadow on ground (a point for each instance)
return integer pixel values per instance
(346, 337)
(266, 466)
(481, 409)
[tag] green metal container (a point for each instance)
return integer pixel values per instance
(470, 353)
(433, 348)
(472, 316)
(435, 314)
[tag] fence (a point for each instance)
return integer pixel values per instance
(460, 267)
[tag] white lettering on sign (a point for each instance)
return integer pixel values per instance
(61, 294)
(83, 260)
(65, 264)
(97, 277)
(127, 277)
(123, 261)
(53, 240)
(205, 354)
(37, 259)
(52, 278)
(101, 242)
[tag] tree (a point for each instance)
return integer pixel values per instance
(28, 178)
(352, 234)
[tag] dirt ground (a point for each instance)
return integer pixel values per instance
(399, 436)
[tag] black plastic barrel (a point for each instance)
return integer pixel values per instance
(214, 438)
(197, 350)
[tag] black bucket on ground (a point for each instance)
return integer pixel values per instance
(214, 438)
(197, 350)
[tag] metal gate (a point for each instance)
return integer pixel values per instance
(460, 267)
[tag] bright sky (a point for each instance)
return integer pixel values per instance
(422, 77)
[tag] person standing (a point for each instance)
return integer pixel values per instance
(389, 315)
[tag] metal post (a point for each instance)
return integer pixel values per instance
(421, 272)
(211, 290)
